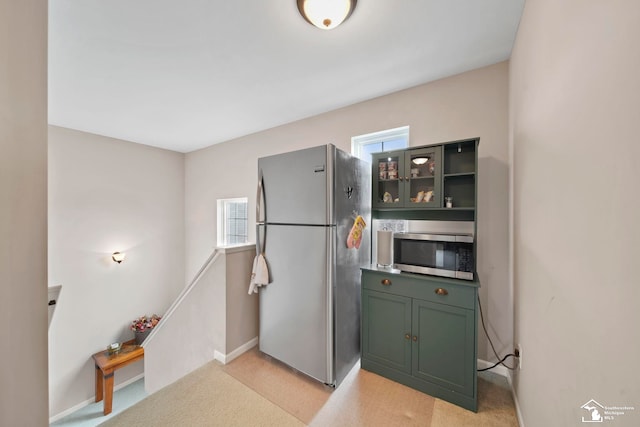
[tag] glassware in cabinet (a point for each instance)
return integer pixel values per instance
(388, 188)
(423, 177)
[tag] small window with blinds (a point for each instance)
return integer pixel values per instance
(232, 221)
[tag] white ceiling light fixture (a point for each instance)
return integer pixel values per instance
(420, 160)
(326, 14)
(118, 257)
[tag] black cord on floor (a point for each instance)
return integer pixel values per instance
(501, 361)
(498, 363)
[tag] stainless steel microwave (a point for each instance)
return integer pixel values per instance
(437, 254)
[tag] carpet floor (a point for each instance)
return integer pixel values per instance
(205, 397)
(255, 390)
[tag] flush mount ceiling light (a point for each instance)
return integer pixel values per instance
(118, 257)
(420, 160)
(326, 14)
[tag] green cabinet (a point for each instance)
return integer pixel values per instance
(407, 178)
(460, 163)
(418, 183)
(443, 353)
(388, 320)
(421, 331)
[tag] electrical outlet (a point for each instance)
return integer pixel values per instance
(518, 353)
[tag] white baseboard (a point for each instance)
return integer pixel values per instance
(515, 400)
(92, 400)
(500, 369)
(226, 358)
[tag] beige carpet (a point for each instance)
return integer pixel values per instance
(205, 397)
(363, 398)
(255, 390)
(495, 406)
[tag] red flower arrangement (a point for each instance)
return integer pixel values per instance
(143, 323)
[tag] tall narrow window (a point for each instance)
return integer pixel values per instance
(387, 140)
(232, 221)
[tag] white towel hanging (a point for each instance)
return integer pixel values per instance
(259, 274)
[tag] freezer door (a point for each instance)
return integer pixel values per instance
(296, 186)
(352, 189)
(295, 314)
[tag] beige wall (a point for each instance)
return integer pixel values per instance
(23, 213)
(467, 105)
(193, 330)
(214, 317)
(108, 195)
(241, 308)
(574, 86)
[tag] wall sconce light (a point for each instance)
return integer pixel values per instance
(118, 257)
(326, 14)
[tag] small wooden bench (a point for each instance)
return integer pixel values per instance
(107, 364)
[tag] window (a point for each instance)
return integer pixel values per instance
(387, 140)
(232, 221)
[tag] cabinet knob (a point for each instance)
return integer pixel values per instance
(386, 282)
(400, 178)
(406, 178)
(441, 291)
(407, 336)
(415, 338)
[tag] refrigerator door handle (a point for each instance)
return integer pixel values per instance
(260, 193)
(260, 196)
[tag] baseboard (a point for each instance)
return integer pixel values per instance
(500, 369)
(226, 358)
(93, 399)
(515, 400)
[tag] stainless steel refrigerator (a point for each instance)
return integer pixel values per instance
(308, 201)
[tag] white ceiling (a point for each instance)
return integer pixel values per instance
(187, 74)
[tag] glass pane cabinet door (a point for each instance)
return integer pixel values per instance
(389, 191)
(423, 177)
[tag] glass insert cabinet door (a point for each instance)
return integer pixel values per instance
(389, 191)
(423, 177)
(408, 178)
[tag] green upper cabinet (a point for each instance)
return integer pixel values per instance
(387, 186)
(422, 178)
(408, 178)
(459, 174)
(431, 182)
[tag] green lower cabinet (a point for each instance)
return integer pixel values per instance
(443, 352)
(414, 336)
(388, 320)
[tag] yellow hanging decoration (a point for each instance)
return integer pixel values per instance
(355, 235)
